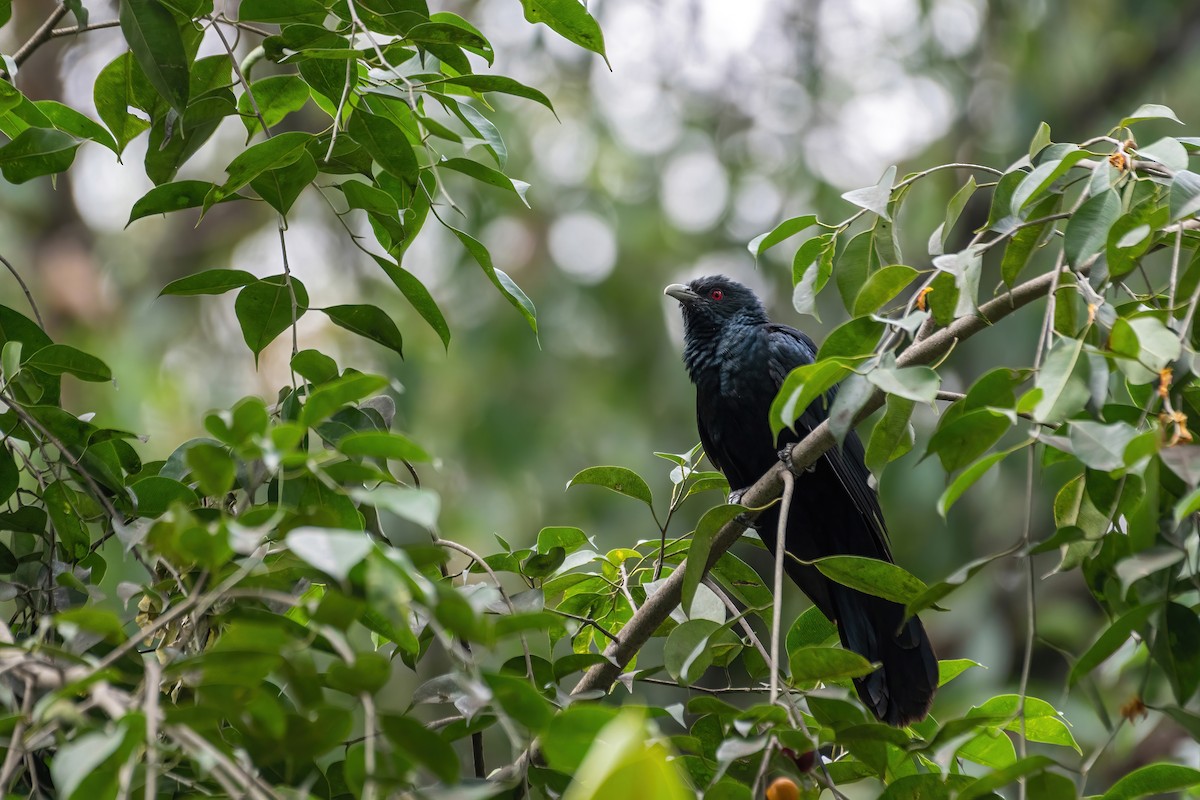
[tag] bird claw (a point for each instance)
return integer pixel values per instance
(785, 455)
(735, 496)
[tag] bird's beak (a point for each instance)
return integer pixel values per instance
(681, 293)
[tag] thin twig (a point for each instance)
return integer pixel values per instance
(28, 296)
(789, 482)
(40, 36)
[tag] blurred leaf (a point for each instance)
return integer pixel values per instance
(811, 629)
(950, 669)
(851, 339)
(155, 494)
(572, 732)
(686, 654)
(872, 576)
(331, 396)
(425, 746)
(784, 230)
(624, 762)
(1177, 650)
(266, 308)
(1149, 111)
(1025, 242)
(569, 19)
(369, 673)
(967, 479)
(1101, 446)
(10, 477)
(370, 322)
(521, 701)
(874, 198)
(488, 175)
(1054, 378)
(382, 444)
(421, 506)
(59, 358)
(1110, 640)
(1185, 195)
(619, 479)
(1153, 779)
(153, 37)
(801, 388)
(314, 366)
(810, 664)
(81, 758)
(334, 552)
(919, 384)
(852, 396)
(36, 152)
(698, 554)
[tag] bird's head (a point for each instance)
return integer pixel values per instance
(710, 303)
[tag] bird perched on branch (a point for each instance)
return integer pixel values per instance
(738, 359)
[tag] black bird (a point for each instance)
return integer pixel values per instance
(738, 359)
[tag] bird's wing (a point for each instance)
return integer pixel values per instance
(790, 348)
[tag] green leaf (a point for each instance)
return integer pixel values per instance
(281, 11)
(685, 654)
(425, 746)
(1041, 139)
(1025, 242)
(811, 629)
(623, 761)
(522, 702)
(937, 591)
(80, 758)
(35, 152)
(278, 151)
(368, 198)
(618, 479)
(61, 503)
(212, 467)
(810, 664)
(572, 732)
(417, 295)
(421, 506)
(1153, 779)
(370, 322)
(800, 388)
(276, 97)
(329, 398)
(784, 230)
(1108, 642)
(279, 187)
(882, 287)
(498, 83)
(488, 175)
(174, 197)
(154, 38)
(966, 480)
(386, 143)
(891, 436)
(511, 291)
(155, 494)
(853, 394)
(697, 559)
(954, 210)
(872, 576)
(1101, 446)
(1149, 111)
(314, 366)
(1042, 723)
(59, 358)
(874, 198)
(1054, 380)
(265, 309)
(1087, 230)
(1128, 239)
(919, 384)
(569, 19)
(986, 786)
(79, 125)
(950, 669)
(1040, 180)
(334, 552)
(1177, 650)
(851, 339)
(966, 437)
(1185, 195)
(382, 444)
(210, 281)
(119, 86)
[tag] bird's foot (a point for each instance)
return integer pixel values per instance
(785, 455)
(735, 496)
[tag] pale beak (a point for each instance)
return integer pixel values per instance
(681, 293)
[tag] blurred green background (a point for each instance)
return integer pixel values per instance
(718, 119)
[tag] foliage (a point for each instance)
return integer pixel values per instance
(237, 619)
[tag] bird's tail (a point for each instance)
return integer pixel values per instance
(901, 690)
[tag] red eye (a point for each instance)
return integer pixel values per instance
(716, 294)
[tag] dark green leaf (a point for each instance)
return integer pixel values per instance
(281, 186)
(281, 11)
(425, 746)
(59, 358)
(382, 444)
(119, 86)
(173, 197)
(79, 125)
(155, 495)
(881, 287)
(619, 479)
(212, 467)
(267, 308)
(1087, 230)
(1113, 637)
(386, 143)
(278, 151)
(967, 437)
(210, 281)
(330, 397)
(370, 322)
(801, 388)
(488, 175)
(1025, 242)
(569, 19)
(499, 83)
(1177, 650)
(891, 436)
(416, 294)
(154, 38)
(810, 664)
(1152, 780)
(36, 152)
(784, 230)
(852, 339)
(872, 576)
(276, 97)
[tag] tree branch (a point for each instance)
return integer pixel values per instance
(40, 36)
